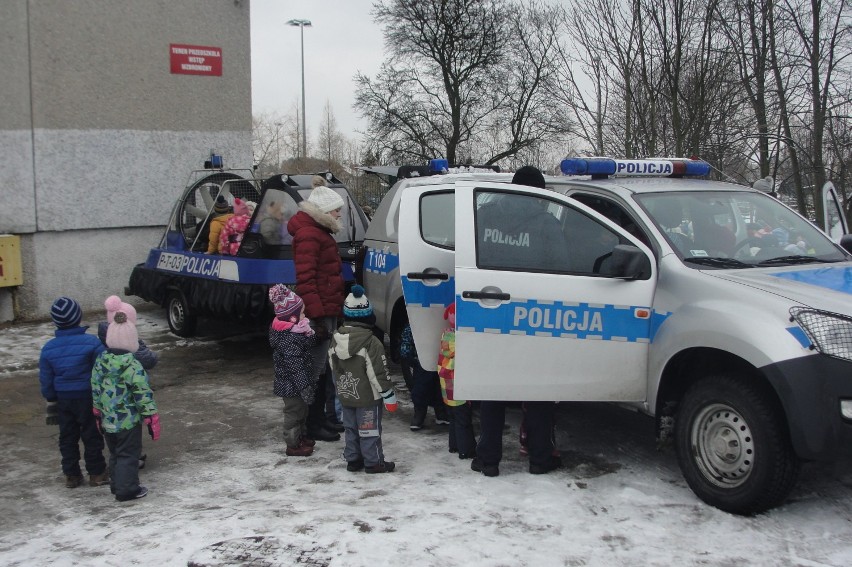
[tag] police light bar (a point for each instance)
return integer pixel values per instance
(603, 167)
(439, 165)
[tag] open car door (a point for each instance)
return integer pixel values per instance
(553, 301)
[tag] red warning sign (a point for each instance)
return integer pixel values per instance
(195, 60)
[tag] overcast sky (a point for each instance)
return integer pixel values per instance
(341, 41)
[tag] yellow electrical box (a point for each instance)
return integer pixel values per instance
(10, 260)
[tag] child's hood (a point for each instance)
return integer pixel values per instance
(350, 339)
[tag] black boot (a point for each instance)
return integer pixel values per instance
(418, 418)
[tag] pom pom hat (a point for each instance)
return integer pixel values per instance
(221, 206)
(357, 306)
(325, 199)
(114, 304)
(450, 314)
(121, 333)
(287, 305)
(66, 313)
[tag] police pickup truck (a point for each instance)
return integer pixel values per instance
(190, 284)
(711, 306)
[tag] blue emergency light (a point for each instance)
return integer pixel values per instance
(602, 167)
(439, 165)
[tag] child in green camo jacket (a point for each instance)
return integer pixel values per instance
(122, 402)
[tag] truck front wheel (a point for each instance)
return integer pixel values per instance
(733, 447)
(181, 319)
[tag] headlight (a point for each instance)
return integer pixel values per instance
(830, 333)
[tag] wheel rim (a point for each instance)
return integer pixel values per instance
(177, 314)
(723, 446)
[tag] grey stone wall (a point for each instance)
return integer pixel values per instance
(98, 137)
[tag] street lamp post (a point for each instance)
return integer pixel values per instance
(302, 24)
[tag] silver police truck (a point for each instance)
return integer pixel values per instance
(711, 306)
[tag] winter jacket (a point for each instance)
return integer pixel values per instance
(216, 226)
(446, 367)
(319, 279)
(120, 391)
(65, 364)
(294, 363)
(232, 233)
(360, 369)
(146, 357)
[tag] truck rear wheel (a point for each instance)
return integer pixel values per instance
(733, 447)
(182, 320)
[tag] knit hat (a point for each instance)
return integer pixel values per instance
(287, 305)
(318, 180)
(240, 207)
(221, 206)
(114, 304)
(357, 306)
(450, 314)
(530, 176)
(325, 199)
(121, 333)
(66, 313)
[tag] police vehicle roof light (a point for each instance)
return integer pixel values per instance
(602, 167)
(439, 165)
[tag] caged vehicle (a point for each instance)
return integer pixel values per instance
(180, 276)
(710, 306)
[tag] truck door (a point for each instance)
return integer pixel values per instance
(427, 247)
(538, 314)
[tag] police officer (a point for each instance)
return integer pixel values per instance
(539, 415)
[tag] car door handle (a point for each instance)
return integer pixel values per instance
(486, 295)
(427, 276)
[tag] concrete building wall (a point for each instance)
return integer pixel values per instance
(98, 136)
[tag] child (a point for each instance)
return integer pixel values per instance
(461, 413)
(362, 383)
(65, 366)
(123, 400)
(231, 235)
(425, 387)
(291, 339)
(221, 214)
(146, 357)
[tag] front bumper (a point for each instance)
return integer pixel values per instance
(811, 389)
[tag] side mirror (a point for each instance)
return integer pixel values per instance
(630, 263)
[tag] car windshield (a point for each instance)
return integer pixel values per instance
(737, 230)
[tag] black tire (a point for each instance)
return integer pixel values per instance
(182, 320)
(733, 447)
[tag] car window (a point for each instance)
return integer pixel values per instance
(750, 227)
(530, 233)
(438, 219)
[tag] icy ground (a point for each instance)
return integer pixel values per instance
(224, 493)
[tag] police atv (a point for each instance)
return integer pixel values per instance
(191, 284)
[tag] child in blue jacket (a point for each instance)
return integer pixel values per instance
(65, 371)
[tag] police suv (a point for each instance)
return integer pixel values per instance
(709, 305)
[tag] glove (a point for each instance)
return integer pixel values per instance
(389, 397)
(52, 417)
(321, 332)
(153, 423)
(98, 417)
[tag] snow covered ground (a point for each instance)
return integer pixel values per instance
(224, 493)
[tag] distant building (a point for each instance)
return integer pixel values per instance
(105, 108)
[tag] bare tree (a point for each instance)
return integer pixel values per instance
(330, 141)
(464, 80)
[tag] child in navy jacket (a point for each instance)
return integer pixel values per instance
(65, 371)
